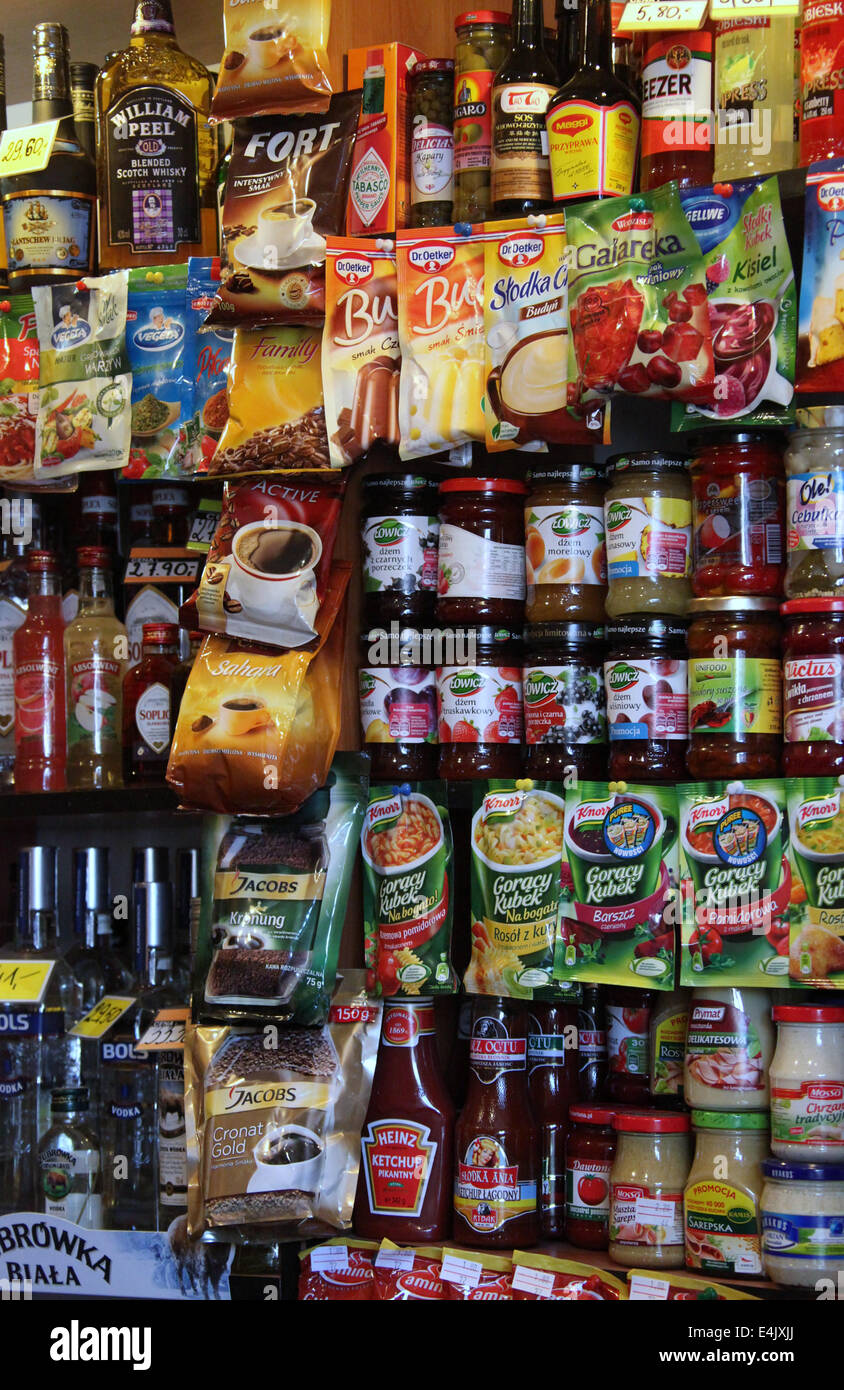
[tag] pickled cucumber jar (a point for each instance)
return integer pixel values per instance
(814, 466)
(483, 43)
(648, 528)
(431, 88)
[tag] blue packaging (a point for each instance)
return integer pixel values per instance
(207, 365)
(156, 338)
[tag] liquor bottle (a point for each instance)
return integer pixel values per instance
(140, 517)
(602, 162)
(170, 515)
(69, 1161)
(92, 957)
(188, 893)
(568, 46)
(677, 132)
(754, 96)
(147, 720)
(82, 79)
(592, 1060)
(521, 91)
(96, 652)
(40, 745)
(49, 215)
(552, 1084)
(98, 514)
(157, 196)
(14, 590)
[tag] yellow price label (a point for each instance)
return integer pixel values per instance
(104, 1014)
(24, 981)
(654, 14)
(731, 9)
(28, 150)
(167, 1030)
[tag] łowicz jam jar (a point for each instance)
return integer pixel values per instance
(399, 530)
(481, 576)
(479, 698)
(735, 688)
(647, 700)
(398, 705)
(648, 524)
(814, 465)
(565, 559)
(813, 687)
(564, 700)
(738, 512)
(483, 42)
(431, 97)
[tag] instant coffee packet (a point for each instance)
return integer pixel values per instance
(273, 1119)
(360, 348)
(273, 60)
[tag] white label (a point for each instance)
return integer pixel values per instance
(431, 161)
(402, 548)
(643, 1288)
(330, 1257)
(395, 1259)
(538, 1281)
(647, 699)
(650, 1211)
(472, 567)
(152, 716)
(815, 511)
(456, 1271)
(99, 506)
(649, 537)
(480, 704)
(147, 606)
(565, 545)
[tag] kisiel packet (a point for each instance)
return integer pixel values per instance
(820, 345)
(360, 348)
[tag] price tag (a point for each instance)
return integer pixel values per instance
(536, 1281)
(28, 150)
(104, 1014)
(24, 981)
(654, 14)
(394, 1259)
(651, 1211)
(330, 1257)
(732, 9)
(456, 1271)
(642, 1288)
(166, 1032)
(204, 524)
(173, 566)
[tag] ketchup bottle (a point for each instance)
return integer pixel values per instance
(552, 1086)
(407, 1144)
(497, 1139)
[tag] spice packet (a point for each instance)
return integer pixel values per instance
(476, 1276)
(408, 890)
(273, 60)
(156, 342)
(820, 345)
(18, 389)
(752, 302)
(207, 361)
(538, 1277)
(404, 1275)
(666, 1285)
(618, 905)
(285, 192)
(816, 851)
(273, 1119)
(735, 883)
(83, 417)
(637, 301)
(274, 903)
(338, 1270)
(360, 348)
(441, 333)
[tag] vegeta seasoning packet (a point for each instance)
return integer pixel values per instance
(156, 336)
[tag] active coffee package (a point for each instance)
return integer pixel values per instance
(338, 1270)
(156, 341)
(816, 852)
(360, 348)
(286, 192)
(274, 60)
(820, 345)
(273, 1119)
(274, 902)
(207, 361)
(18, 389)
(408, 890)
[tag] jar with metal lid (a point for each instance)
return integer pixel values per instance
(431, 105)
(807, 1084)
(735, 688)
(814, 466)
(590, 1150)
(483, 43)
(647, 699)
(399, 531)
(481, 574)
(564, 701)
(648, 525)
(628, 1013)
(398, 704)
(565, 560)
(803, 1223)
(648, 1176)
(738, 514)
(813, 687)
(479, 699)
(722, 1221)
(729, 1046)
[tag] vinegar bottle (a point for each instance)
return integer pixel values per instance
(39, 681)
(552, 1084)
(96, 652)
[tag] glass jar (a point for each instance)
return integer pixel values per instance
(807, 1084)
(813, 687)
(483, 43)
(481, 574)
(430, 86)
(399, 531)
(479, 702)
(590, 1150)
(669, 1025)
(398, 706)
(647, 699)
(735, 688)
(814, 466)
(802, 1238)
(729, 1047)
(565, 560)
(628, 1044)
(648, 1176)
(723, 1228)
(648, 525)
(564, 701)
(738, 515)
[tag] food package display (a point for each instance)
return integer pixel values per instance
(816, 850)
(379, 188)
(408, 890)
(618, 904)
(156, 342)
(258, 727)
(338, 1270)
(274, 59)
(285, 192)
(273, 1120)
(84, 420)
(360, 348)
(537, 1277)
(820, 344)
(407, 1275)
(637, 301)
(18, 389)
(661, 1285)
(441, 334)
(517, 845)
(269, 561)
(736, 884)
(477, 1276)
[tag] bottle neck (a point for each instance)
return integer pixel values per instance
(155, 968)
(95, 589)
(595, 17)
(50, 80)
(40, 931)
(153, 19)
(527, 25)
(159, 649)
(43, 584)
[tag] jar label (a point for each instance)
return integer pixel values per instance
(723, 1050)
(641, 1216)
(802, 1236)
(592, 149)
(520, 167)
(647, 699)
(398, 704)
(808, 1113)
(489, 1190)
(398, 1158)
(649, 537)
(735, 695)
(677, 93)
(588, 1190)
(92, 700)
(431, 162)
(815, 511)
(565, 545)
(46, 232)
(722, 1228)
(471, 567)
(400, 553)
(564, 704)
(737, 522)
(479, 704)
(152, 716)
(473, 120)
(667, 1060)
(627, 1040)
(822, 95)
(814, 699)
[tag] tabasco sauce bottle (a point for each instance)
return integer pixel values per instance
(407, 1143)
(38, 647)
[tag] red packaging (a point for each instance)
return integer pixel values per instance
(379, 189)
(545, 1278)
(19, 356)
(822, 81)
(409, 1275)
(474, 1276)
(325, 1278)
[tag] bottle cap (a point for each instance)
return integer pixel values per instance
(150, 864)
(37, 879)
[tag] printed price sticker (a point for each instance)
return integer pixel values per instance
(538, 1281)
(394, 1259)
(24, 981)
(103, 1016)
(653, 14)
(641, 1287)
(166, 1032)
(729, 9)
(27, 151)
(457, 1271)
(330, 1257)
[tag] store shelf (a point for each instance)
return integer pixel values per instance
(22, 806)
(760, 1288)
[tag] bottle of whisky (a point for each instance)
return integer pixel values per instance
(82, 79)
(157, 153)
(48, 216)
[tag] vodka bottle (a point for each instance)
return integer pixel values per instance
(69, 1162)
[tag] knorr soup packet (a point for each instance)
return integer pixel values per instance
(619, 884)
(816, 848)
(736, 883)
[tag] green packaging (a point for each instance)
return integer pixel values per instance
(816, 851)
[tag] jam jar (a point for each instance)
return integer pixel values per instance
(565, 559)
(813, 687)
(481, 575)
(398, 704)
(479, 701)
(738, 515)
(735, 688)
(814, 466)
(564, 700)
(590, 1150)
(647, 699)
(399, 530)
(648, 524)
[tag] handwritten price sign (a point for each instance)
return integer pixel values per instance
(731, 9)
(103, 1016)
(654, 14)
(27, 151)
(24, 981)
(167, 1031)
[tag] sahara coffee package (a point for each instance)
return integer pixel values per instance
(816, 850)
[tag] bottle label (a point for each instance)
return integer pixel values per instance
(398, 707)
(492, 1053)
(742, 75)
(815, 511)
(546, 1050)
(649, 537)
(813, 689)
(38, 704)
(152, 170)
(640, 1216)
(97, 505)
(592, 149)
(821, 87)
(151, 17)
(400, 553)
(473, 120)
(736, 521)
(627, 1040)
(647, 699)
(588, 1190)
(403, 1027)
(722, 1228)
(479, 704)
(172, 1144)
(808, 1113)
(667, 1060)
(565, 545)
(62, 1174)
(398, 1160)
(564, 704)
(676, 93)
(431, 162)
(12, 614)
(93, 695)
(489, 1190)
(735, 695)
(520, 168)
(723, 1049)
(471, 567)
(49, 231)
(152, 716)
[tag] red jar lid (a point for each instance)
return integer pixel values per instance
(160, 632)
(482, 17)
(812, 605)
(807, 1013)
(41, 561)
(592, 1114)
(431, 65)
(93, 557)
(484, 485)
(650, 1122)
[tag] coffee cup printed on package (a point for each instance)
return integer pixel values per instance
(274, 60)
(360, 348)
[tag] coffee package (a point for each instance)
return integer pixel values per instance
(156, 341)
(285, 193)
(274, 61)
(360, 348)
(18, 390)
(273, 1119)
